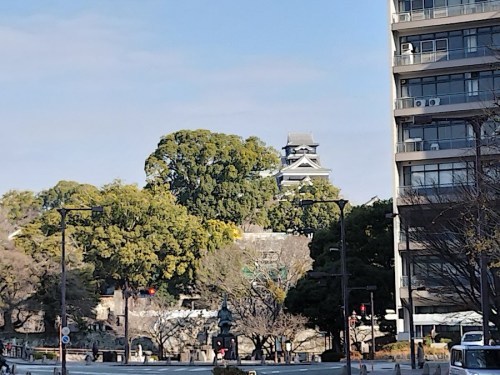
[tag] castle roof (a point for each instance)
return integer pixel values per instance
(298, 139)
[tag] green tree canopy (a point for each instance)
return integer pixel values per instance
(142, 236)
(286, 214)
(216, 176)
(369, 240)
(20, 206)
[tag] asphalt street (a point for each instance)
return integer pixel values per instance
(102, 369)
(74, 368)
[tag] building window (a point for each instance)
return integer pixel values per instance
(438, 175)
(439, 135)
(453, 88)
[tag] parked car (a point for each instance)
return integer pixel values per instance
(472, 338)
(474, 360)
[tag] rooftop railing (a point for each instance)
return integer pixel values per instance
(449, 11)
(436, 100)
(437, 56)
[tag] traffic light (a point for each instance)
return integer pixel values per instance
(363, 309)
(148, 292)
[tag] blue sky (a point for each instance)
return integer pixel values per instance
(87, 88)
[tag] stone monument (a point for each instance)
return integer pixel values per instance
(225, 343)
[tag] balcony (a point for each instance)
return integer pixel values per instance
(416, 283)
(443, 12)
(409, 59)
(438, 100)
(425, 194)
(418, 144)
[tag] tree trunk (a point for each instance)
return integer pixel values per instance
(49, 325)
(7, 320)
(258, 352)
(161, 349)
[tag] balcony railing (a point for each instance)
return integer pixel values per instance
(415, 282)
(435, 100)
(452, 54)
(429, 190)
(449, 11)
(417, 144)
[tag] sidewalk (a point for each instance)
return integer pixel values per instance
(388, 368)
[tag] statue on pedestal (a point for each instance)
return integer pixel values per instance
(225, 318)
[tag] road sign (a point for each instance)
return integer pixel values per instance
(65, 339)
(65, 331)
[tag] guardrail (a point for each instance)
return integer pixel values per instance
(19, 351)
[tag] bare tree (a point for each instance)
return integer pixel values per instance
(256, 275)
(18, 283)
(173, 331)
(458, 228)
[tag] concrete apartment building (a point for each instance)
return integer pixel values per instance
(445, 71)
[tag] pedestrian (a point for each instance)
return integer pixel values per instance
(26, 348)
(3, 363)
(2, 347)
(95, 350)
(232, 350)
(420, 355)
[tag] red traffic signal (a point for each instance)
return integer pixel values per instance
(363, 309)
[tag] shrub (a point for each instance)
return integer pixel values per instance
(48, 355)
(229, 370)
(331, 356)
(397, 346)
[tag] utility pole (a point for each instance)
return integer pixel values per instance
(64, 319)
(126, 295)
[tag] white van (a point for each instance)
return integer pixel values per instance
(472, 338)
(474, 360)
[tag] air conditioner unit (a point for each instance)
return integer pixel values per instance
(406, 48)
(434, 147)
(434, 101)
(420, 103)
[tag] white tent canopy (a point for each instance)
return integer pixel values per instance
(462, 318)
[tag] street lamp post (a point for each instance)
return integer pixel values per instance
(409, 288)
(64, 320)
(410, 298)
(372, 315)
(341, 203)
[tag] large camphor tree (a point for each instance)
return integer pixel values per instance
(216, 176)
